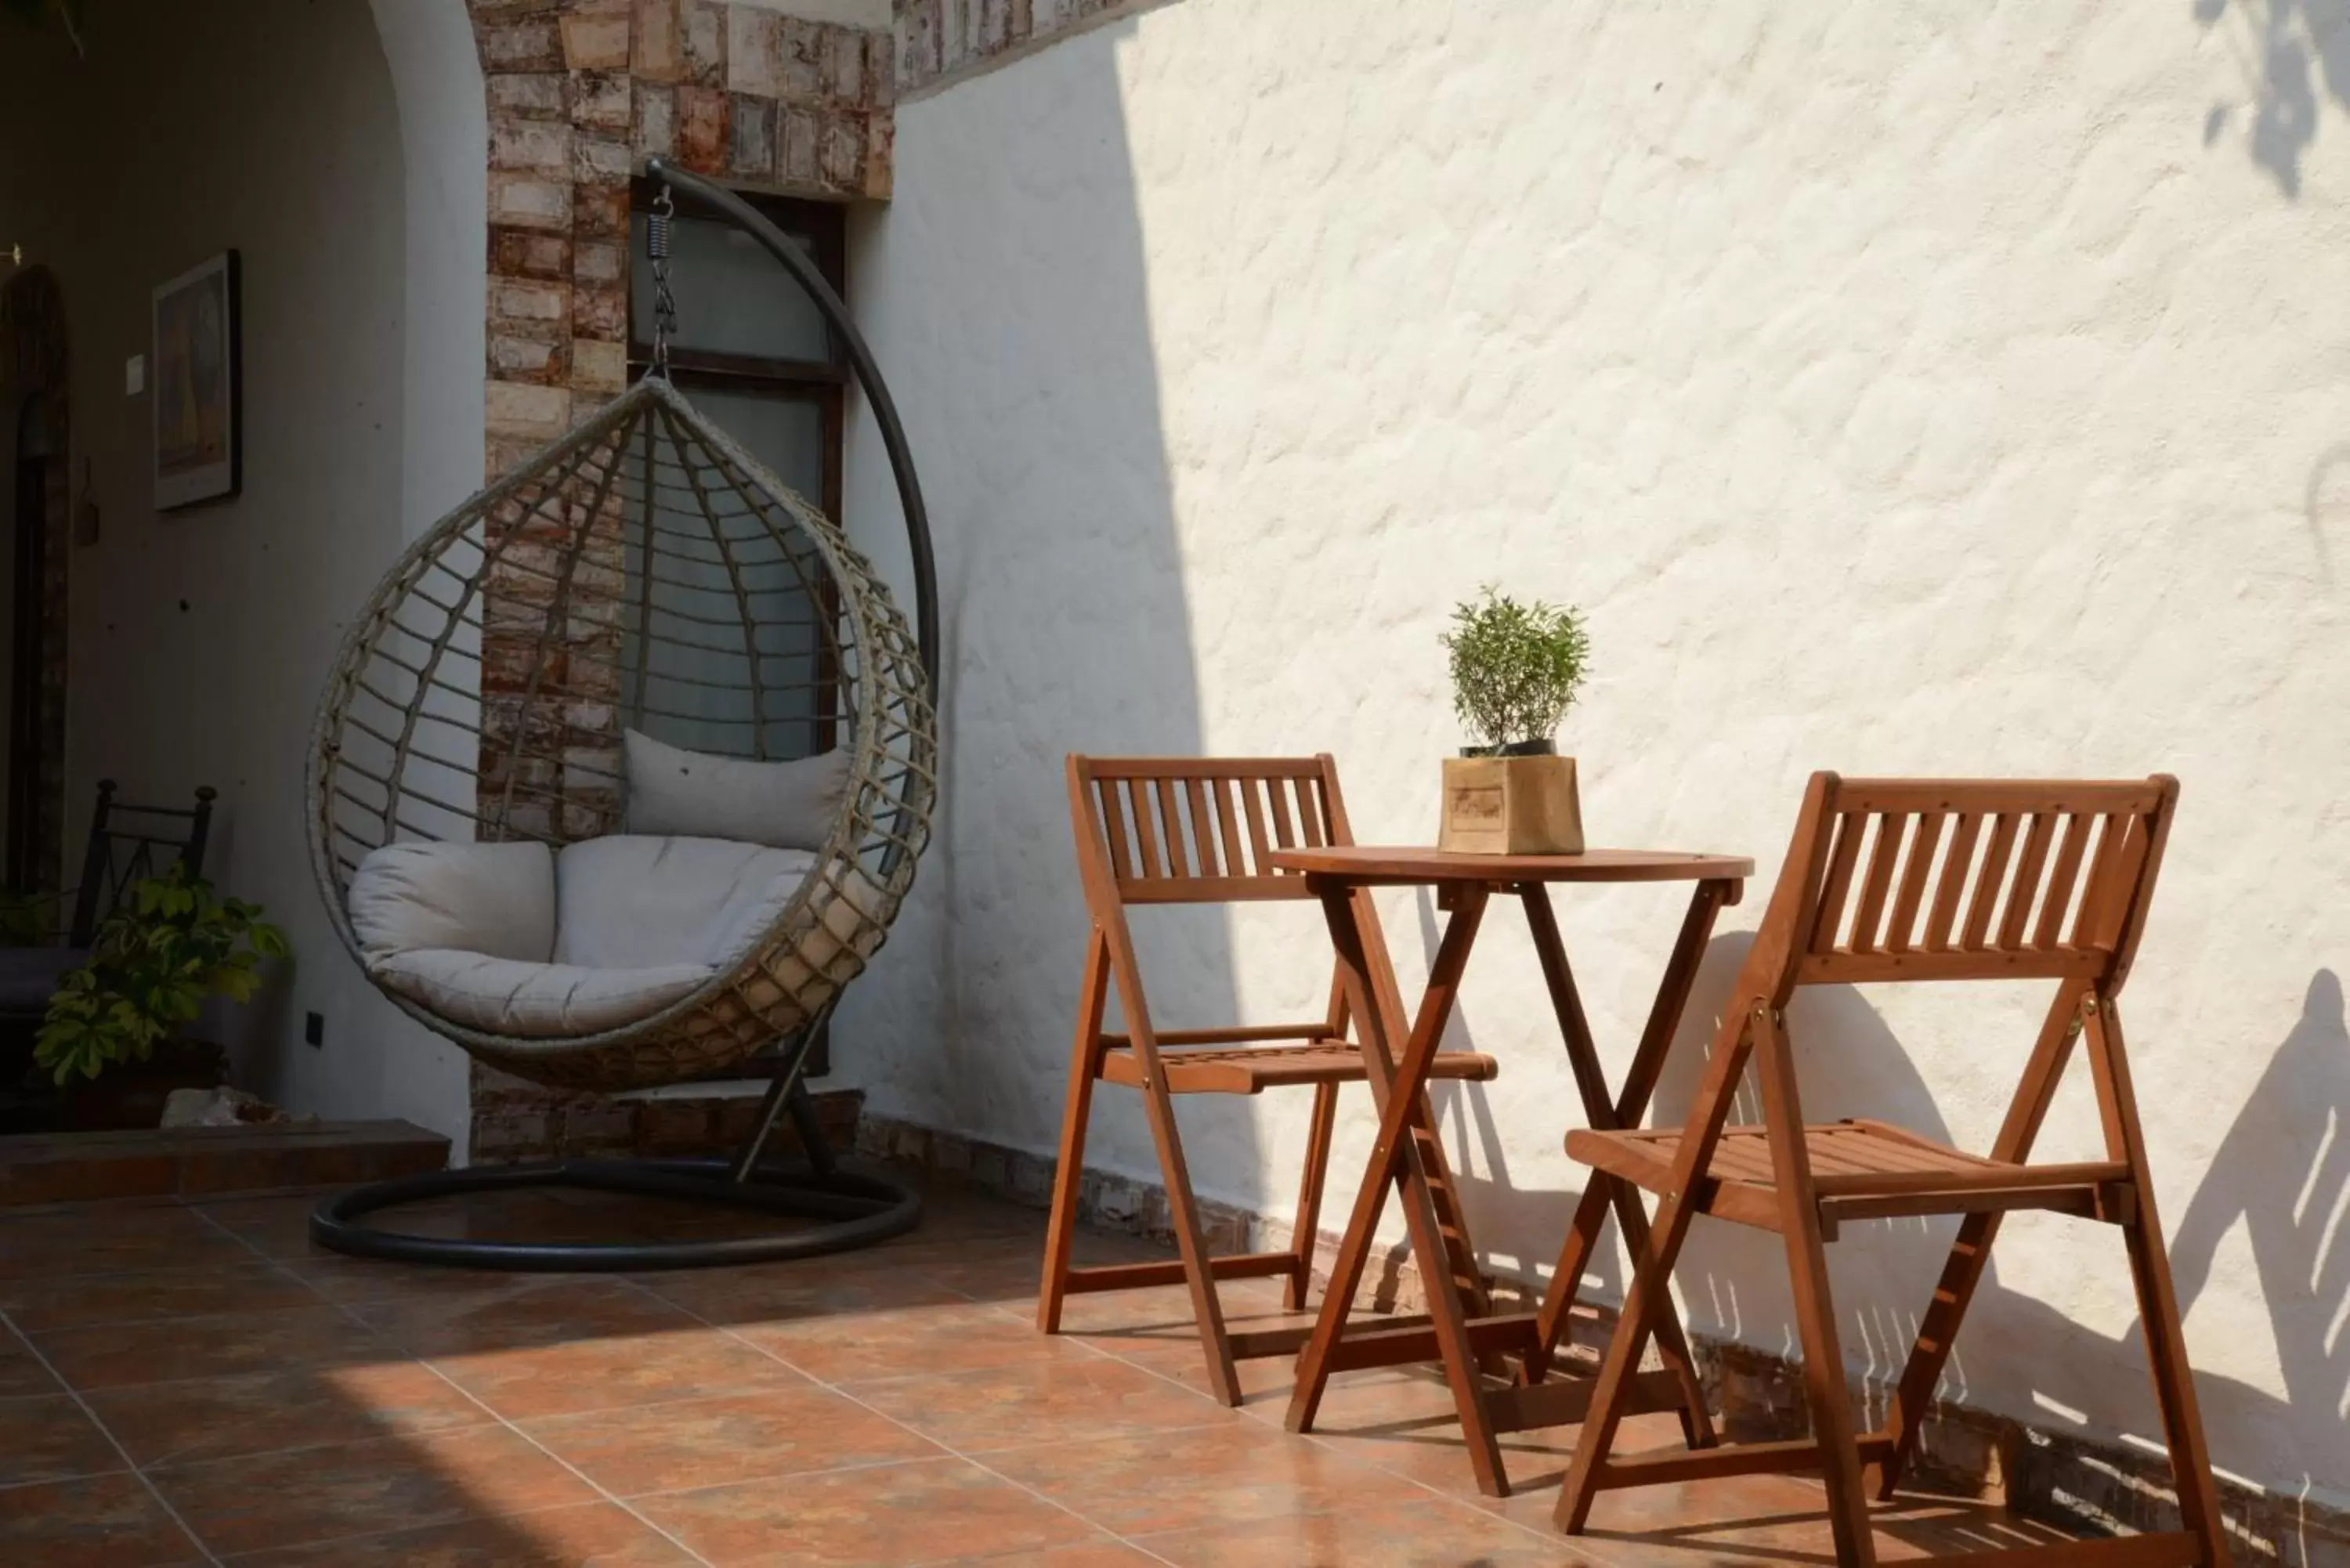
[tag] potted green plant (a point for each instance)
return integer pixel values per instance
(173, 945)
(1515, 670)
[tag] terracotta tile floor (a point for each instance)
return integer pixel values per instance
(188, 1384)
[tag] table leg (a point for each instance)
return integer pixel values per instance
(1626, 1110)
(1399, 1085)
(1450, 1217)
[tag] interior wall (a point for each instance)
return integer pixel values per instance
(200, 637)
(1922, 387)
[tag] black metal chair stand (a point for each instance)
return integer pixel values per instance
(853, 1209)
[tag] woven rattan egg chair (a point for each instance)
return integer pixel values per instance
(618, 781)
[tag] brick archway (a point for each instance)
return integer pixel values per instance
(32, 368)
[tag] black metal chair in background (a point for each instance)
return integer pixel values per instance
(119, 857)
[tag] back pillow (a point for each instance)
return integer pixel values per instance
(694, 795)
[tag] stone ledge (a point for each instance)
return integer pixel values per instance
(516, 1121)
(204, 1162)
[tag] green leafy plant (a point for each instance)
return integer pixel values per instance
(1515, 667)
(153, 963)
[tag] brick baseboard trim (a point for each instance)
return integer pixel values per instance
(516, 1122)
(2068, 1481)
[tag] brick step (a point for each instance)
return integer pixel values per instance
(185, 1162)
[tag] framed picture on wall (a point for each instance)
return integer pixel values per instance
(199, 443)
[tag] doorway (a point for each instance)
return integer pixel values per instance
(37, 498)
(20, 602)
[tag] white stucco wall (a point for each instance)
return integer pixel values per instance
(199, 639)
(1909, 389)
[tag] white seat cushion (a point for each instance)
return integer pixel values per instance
(510, 938)
(533, 1000)
(784, 805)
(492, 899)
(634, 901)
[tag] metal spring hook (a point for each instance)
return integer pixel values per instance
(657, 247)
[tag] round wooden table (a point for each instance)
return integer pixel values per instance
(1461, 1330)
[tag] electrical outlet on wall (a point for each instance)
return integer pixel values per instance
(134, 375)
(314, 1029)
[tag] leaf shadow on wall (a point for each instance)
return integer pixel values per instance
(2282, 1171)
(2292, 53)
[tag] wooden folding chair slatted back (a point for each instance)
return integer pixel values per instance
(1181, 831)
(1972, 881)
(1890, 881)
(1165, 830)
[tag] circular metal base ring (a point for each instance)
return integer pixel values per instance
(853, 1209)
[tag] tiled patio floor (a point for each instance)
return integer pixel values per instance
(183, 1384)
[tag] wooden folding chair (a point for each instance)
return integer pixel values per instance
(1963, 880)
(1155, 830)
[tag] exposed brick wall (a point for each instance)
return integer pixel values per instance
(33, 363)
(939, 41)
(580, 93)
(515, 1121)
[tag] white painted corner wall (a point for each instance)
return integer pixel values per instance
(1905, 388)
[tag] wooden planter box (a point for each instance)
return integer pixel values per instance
(1510, 805)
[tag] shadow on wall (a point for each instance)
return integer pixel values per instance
(1012, 314)
(2292, 53)
(2282, 1171)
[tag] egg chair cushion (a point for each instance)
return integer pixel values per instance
(640, 901)
(533, 1000)
(515, 940)
(784, 805)
(495, 900)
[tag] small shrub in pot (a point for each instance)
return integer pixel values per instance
(1516, 668)
(174, 944)
(1515, 671)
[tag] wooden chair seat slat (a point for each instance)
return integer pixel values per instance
(1250, 1070)
(1848, 1159)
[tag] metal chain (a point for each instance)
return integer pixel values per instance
(657, 238)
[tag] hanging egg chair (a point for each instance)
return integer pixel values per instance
(618, 781)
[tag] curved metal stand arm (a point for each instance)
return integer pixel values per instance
(869, 376)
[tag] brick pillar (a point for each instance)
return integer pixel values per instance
(580, 92)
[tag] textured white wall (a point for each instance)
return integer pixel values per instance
(1906, 388)
(199, 639)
